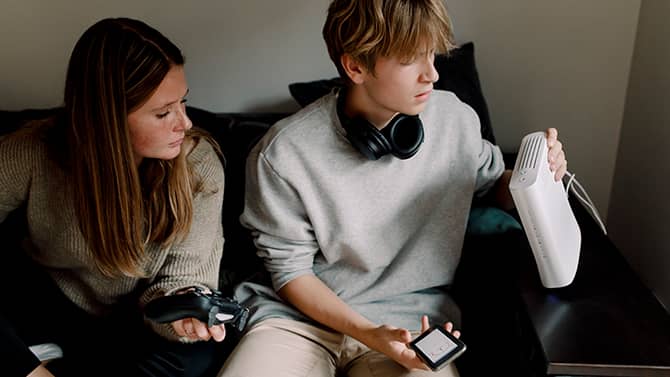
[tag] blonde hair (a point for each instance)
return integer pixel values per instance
(368, 29)
(114, 68)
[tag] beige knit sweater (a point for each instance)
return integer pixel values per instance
(56, 243)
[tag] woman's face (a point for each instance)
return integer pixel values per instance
(157, 127)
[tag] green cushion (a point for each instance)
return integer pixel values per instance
(490, 220)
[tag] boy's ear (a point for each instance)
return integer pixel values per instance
(354, 69)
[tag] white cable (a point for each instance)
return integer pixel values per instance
(586, 199)
(569, 184)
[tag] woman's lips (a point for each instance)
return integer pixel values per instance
(176, 143)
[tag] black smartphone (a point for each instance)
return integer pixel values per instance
(437, 347)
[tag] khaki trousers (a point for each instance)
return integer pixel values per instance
(279, 347)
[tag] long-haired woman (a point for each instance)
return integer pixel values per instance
(123, 205)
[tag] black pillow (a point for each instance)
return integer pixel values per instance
(458, 73)
(307, 92)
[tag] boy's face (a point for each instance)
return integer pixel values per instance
(398, 86)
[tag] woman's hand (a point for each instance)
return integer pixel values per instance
(193, 329)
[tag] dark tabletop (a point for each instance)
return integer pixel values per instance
(606, 323)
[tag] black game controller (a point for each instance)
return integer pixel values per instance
(211, 308)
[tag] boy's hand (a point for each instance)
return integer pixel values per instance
(556, 156)
(393, 342)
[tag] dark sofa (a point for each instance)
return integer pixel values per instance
(484, 263)
(485, 286)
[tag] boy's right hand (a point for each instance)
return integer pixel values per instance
(393, 342)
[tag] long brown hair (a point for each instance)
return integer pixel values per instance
(115, 67)
(368, 29)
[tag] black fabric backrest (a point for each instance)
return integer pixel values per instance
(236, 134)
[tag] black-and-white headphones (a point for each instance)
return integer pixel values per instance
(401, 137)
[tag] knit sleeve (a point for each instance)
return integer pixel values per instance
(16, 168)
(195, 260)
(282, 233)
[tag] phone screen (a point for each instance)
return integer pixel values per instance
(437, 347)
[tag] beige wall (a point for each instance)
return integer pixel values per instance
(543, 63)
(241, 55)
(562, 64)
(639, 220)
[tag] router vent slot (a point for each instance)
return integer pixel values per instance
(530, 152)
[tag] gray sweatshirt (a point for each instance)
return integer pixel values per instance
(384, 235)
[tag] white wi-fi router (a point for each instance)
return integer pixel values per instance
(546, 215)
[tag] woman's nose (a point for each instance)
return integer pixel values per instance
(184, 121)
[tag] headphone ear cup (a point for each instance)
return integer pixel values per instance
(404, 134)
(367, 139)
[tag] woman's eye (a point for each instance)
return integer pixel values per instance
(162, 115)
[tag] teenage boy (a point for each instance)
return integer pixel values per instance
(359, 203)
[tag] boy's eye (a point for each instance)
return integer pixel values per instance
(408, 61)
(419, 55)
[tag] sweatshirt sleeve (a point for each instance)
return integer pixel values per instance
(484, 158)
(282, 232)
(195, 260)
(491, 167)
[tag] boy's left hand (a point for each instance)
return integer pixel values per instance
(556, 156)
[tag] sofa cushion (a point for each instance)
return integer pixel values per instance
(239, 260)
(236, 134)
(484, 220)
(12, 120)
(458, 74)
(309, 91)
